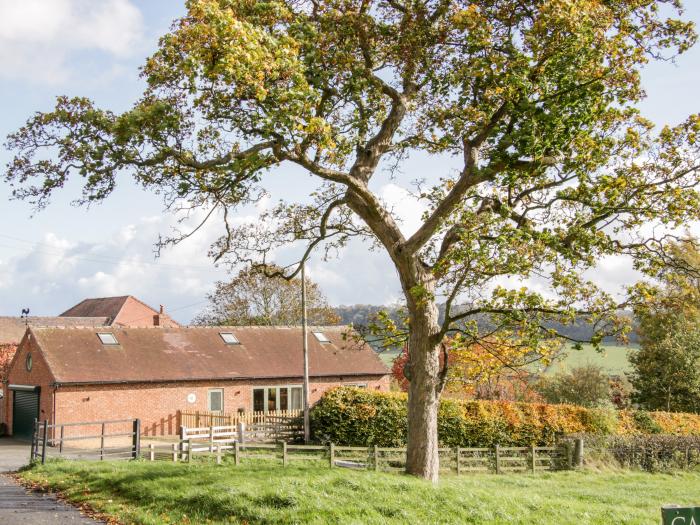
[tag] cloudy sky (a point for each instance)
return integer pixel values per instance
(52, 259)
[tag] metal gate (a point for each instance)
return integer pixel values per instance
(25, 409)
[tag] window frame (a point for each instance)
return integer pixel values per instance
(289, 387)
(319, 334)
(109, 335)
(235, 341)
(220, 391)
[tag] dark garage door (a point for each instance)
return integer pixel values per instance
(25, 408)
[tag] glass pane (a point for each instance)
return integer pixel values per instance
(215, 401)
(271, 399)
(296, 398)
(259, 399)
(284, 392)
(229, 338)
(321, 337)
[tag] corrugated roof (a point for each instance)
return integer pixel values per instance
(97, 307)
(12, 328)
(180, 354)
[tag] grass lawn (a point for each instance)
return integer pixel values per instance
(159, 493)
(613, 359)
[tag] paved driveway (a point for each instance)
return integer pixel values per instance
(18, 506)
(13, 454)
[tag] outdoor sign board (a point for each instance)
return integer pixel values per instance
(675, 515)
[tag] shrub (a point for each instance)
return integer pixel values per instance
(649, 452)
(586, 385)
(351, 416)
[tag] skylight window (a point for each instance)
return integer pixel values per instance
(229, 338)
(107, 338)
(321, 337)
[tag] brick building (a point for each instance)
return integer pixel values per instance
(67, 375)
(122, 311)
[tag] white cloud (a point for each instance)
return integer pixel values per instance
(38, 37)
(53, 274)
(406, 208)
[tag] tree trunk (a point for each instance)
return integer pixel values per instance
(423, 394)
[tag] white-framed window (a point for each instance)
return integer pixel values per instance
(107, 338)
(271, 398)
(229, 338)
(215, 400)
(321, 337)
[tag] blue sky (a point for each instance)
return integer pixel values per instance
(93, 48)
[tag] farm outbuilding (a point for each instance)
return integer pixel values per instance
(65, 375)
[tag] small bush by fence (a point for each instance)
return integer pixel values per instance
(351, 416)
(652, 453)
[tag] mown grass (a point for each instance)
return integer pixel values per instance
(262, 493)
(613, 359)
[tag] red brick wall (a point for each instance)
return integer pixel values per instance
(7, 352)
(38, 376)
(157, 405)
(137, 315)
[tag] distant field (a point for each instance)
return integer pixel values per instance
(388, 356)
(613, 359)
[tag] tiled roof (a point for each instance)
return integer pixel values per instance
(7, 352)
(12, 328)
(97, 307)
(197, 353)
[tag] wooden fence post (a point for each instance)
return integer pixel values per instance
(457, 462)
(211, 437)
(533, 458)
(578, 453)
(284, 453)
(102, 442)
(241, 432)
(175, 445)
(183, 438)
(218, 454)
(43, 441)
(35, 438)
(60, 445)
(376, 458)
(332, 455)
(237, 453)
(190, 452)
(151, 452)
(498, 460)
(137, 438)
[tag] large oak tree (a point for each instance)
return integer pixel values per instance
(534, 99)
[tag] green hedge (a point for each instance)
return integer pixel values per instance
(360, 417)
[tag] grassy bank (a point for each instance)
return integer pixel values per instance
(160, 493)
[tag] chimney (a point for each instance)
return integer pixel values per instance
(163, 319)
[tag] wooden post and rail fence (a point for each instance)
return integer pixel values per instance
(274, 440)
(461, 460)
(201, 418)
(112, 439)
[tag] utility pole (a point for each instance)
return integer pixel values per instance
(307, 429)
